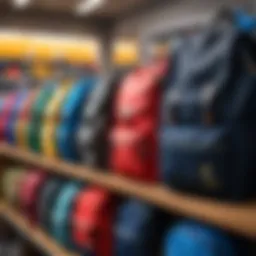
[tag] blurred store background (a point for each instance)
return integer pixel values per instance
(159, 93)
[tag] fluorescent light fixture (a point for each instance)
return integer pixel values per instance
(88, 6)
(21, 3)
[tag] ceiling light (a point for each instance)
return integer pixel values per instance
(88, 6)
(21, 3)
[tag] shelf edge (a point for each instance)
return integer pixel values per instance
(32, 233)
(239, 218)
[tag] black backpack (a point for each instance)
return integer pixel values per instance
(92, 138)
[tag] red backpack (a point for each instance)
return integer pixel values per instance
(92, 222)
(134, 135)
(29, 191)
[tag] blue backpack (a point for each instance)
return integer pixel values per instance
(136, 230)
(71, 112)
(11, 126)
(244, 21)
(207, 136)
(194, 239)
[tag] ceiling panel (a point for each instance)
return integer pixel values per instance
(110, 9)
(118, 7)
(55, 5)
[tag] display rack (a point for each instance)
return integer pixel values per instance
(239, 218)
(31, 233)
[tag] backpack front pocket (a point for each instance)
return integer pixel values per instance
(130, 153)
(196, 159)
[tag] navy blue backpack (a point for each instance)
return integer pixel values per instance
(137, 230)
(208, 130)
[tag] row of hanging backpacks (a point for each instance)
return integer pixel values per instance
(83, 219)
(188, 121)
(119, 125)
(46, 120)
(90, 221)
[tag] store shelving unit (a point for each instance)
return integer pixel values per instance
(239, 218)
(31, 233)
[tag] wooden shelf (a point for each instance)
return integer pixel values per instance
(237, 218)
(31, 232)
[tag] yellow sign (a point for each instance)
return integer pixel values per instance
(19, 47)
(125, 53)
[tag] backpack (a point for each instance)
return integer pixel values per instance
(34, 129)
(92, 221)
(61, 214)
(24, 116)
(7, 106)
(51, 119)
(10, 183)
(137, 229)
(70, 117)
(13, 117)
(245, 21)
(47, 199)
(133, 136)
(29, 191)
(195, 239)
(92, 137)
(207, 134)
